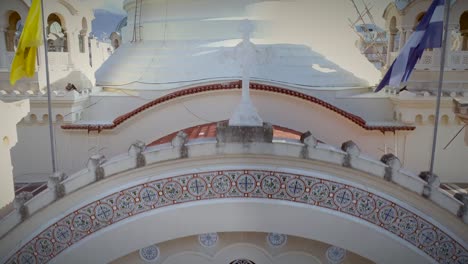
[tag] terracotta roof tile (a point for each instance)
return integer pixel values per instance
(209, 131)
(229, 86)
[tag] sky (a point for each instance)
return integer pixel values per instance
(321, 24)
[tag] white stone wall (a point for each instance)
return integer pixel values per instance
(10, 115)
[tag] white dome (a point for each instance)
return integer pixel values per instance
(184, 43)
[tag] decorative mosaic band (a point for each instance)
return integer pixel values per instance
(246, 184)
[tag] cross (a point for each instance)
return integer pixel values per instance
(63, 234)
(427, 238)
(388, 213)
(104, 211)
(197, 187)
(148, 196)
(343, 197)
(246, 184)
(246, 114)
(28, 259)
(296, 187)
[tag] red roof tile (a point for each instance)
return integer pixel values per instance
(229, 86)
(209, 131)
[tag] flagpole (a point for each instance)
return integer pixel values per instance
(49, 103)
(441, 80)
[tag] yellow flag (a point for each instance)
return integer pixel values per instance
(24, 62)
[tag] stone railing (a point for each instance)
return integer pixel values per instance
(389, 168)
(458, 60)
(427, 61)
(455, 60)
(6, 63)
(58, 59)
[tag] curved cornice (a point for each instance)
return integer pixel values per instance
(420, 204)
(389, 215)
(230, 86)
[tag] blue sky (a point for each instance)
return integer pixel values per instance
(111, 5)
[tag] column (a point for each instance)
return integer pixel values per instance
(408, 34)
(72, 38)
(3, 52)
(402, 39)
(391, 40)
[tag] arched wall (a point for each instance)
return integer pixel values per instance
(262, 207)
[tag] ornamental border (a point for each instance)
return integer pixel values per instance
(443, 248)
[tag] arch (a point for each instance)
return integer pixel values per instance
(242, 261)
(33, 118)
(418, 19)
(115, 44)
(136, 209)
(419, 119)
(6, 141)
(464, 30)
(445, 120)
(13, 30)
(56, 35)
(45, 118)
(59, 118)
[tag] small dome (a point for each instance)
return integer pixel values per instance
(401, 4)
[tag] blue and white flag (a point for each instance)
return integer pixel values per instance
(428, 34)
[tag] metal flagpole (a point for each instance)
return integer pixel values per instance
(441, 80)
(49, 103)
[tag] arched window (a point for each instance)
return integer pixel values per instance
(464, 30)
(13, 32)
(419, 17)
(56, 36)
(419, 120)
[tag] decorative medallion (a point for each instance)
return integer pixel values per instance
(295, 188)
(408, 225)
(343, 198)
(276, 240)
(335, 255)
(427, 237)
(271, 184)
(44, 247)
(172, 190)
(125, 203)
(27, 258)
(208, 240)
(221, 184)
(388, 216)
(82, 222)
(246, 183)
(149, 196)
(62, 234)
(319, 192)
(104, 212)
(445, 250)
(149, 254)
(365, 205)
(197, 186)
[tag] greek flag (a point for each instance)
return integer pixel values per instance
(428, 34)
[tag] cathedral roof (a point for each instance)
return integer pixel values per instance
(93, 126)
